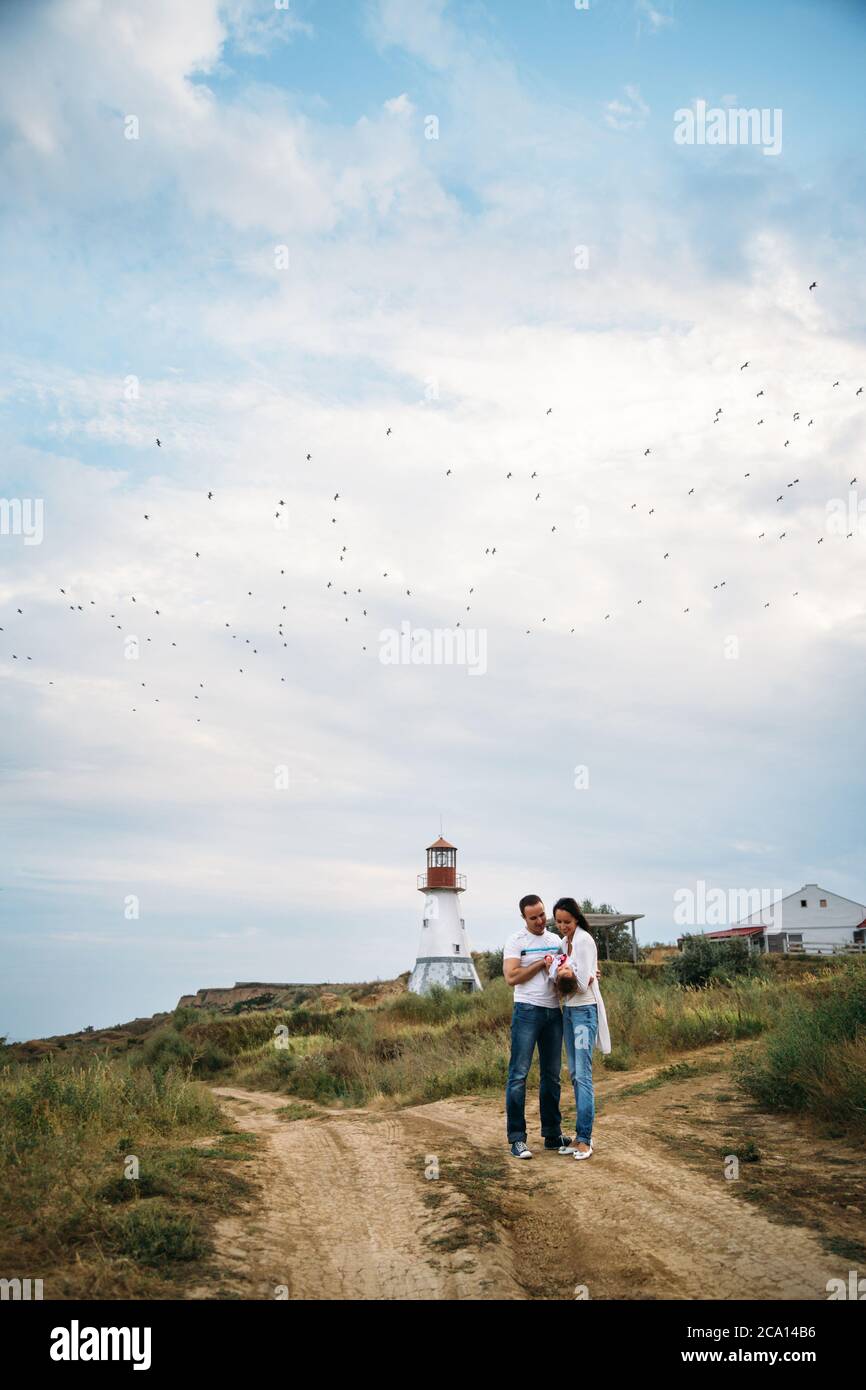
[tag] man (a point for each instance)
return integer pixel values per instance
(536, 1020)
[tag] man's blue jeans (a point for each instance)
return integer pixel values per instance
(581, 1026)
(533, 1024)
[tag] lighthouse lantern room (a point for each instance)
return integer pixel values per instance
(444, 957)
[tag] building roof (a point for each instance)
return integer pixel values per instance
(441, 844)
(612, 919)
(735, 931)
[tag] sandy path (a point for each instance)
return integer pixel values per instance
(343, 1213)
(345, 1210)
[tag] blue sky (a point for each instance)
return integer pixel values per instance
(431, 288)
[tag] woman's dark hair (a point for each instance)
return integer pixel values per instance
(570, 906)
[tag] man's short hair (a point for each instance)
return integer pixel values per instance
(529, 901)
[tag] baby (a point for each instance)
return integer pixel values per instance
(564, 977)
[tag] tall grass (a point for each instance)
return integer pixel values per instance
(412, 1048)
(70, 1102)
(814, 1061)
(65, 1133)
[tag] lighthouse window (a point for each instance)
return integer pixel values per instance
(456, 950)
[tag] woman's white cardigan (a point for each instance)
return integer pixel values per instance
(583, 959)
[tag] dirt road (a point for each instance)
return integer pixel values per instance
(346, 1211)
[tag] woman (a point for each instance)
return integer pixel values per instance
(584, 1019)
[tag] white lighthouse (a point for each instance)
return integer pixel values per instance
(443, 951)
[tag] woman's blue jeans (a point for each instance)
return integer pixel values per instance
(580, 1025)
(533, 1024)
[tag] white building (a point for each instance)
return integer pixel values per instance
(443, 950)
(813, 920)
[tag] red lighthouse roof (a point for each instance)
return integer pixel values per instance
(441, 844)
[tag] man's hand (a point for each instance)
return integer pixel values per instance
(517, 974)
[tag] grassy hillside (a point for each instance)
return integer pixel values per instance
(408, 1049)
(71, 1121)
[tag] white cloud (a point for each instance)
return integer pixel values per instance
(431, 288)
(399, 106)
(630, 114)
(654, 18)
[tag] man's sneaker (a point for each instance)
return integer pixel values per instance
(560, 1142)
(519, 1149)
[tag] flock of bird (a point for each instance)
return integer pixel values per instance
(14, 626)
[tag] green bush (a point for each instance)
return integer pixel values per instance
(166, 1049)
(489, 965)
(151, 1233)
(703, 960)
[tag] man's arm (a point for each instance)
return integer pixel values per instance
(517, 974)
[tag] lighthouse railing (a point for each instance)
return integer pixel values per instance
(434, 879)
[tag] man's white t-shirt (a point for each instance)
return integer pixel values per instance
(526, 947)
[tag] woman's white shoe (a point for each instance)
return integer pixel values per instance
(579, 1154)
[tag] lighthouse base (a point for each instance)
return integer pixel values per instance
(451, 972)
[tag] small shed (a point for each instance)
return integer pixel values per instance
(603, 921)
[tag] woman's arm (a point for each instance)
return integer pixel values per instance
(583, 960)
